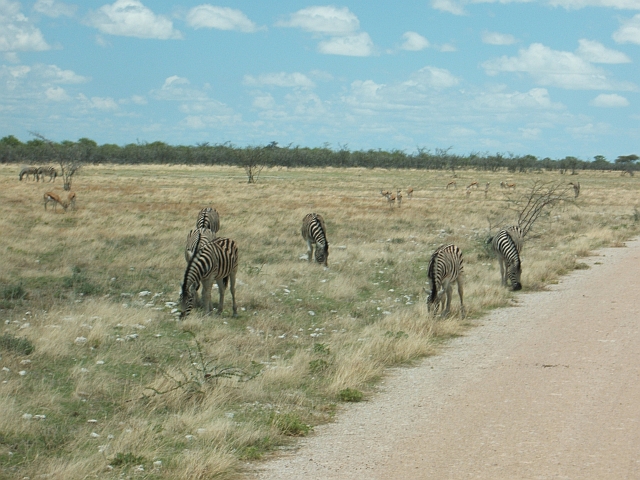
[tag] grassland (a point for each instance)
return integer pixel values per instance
(98, 378)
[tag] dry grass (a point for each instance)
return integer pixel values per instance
(71, 285)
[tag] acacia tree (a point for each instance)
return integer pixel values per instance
(252, 160)
(70, 156)
(540, 197)
(627, 163)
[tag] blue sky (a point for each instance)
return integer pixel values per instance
(543, 77)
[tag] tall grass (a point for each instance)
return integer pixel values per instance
(98, 376)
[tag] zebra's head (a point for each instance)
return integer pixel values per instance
(514, 271)
(322, 254)
(434, 299)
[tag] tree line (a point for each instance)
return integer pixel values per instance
(40, 150)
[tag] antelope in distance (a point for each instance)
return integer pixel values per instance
(451, 184)
(399, 198)
(410, 192)
(576, 188)
(486, 189)
(473, 185)
(511, 186)
(54, 198)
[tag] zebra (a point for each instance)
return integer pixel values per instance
(315, 233)
(445, 267)
(193, 238)
(507, 243)
(28, 171)
(51, 172)
(209, 218)
(213, 260)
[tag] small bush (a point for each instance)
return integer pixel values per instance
(125, 459)
(13, 292)
(318, 366)
(290, 424)
(350, 395)
(19, 345)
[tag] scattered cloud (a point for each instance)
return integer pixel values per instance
(359, 45)
(130, 18)
(98, 103)
(414, 42)
(432, 77)
(57, 94)
(629, 31)
(340, 25)
(449, 6)
(495, 38)
(281, 79)
(577, 4)
(556, 68)
(595, 52)
(327, 20)
(221, 18)
(17, 33)
(55, 9)
(609, 101)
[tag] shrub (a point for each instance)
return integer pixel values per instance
(19, 345)
(350, 395)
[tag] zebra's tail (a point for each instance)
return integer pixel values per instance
(489, 240)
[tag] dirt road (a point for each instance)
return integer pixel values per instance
(546, 390)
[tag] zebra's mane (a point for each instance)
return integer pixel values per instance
(190, 263)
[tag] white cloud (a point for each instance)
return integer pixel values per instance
(339, 24)
(536, 99)
(281, 79)
(450, 6)
(56, 94)
(556, 68)
(264, 102)
(98, 103)
(328, 20)
(432, 77)
(495, 38)
(629, 31)
(609, 101)
(414, 42)
(595, 52)
(221, 18)
(130, 18)
(55, 9)
(359, 45)
(55, 74)
(17, 34)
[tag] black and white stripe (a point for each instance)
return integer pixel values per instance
(315, 233)
(507, 244)
(209, 218)
(215, 260)
(50, 172)
(26, 171)
(193, 240)
(445, 268)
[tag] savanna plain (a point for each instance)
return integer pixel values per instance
(100, 379)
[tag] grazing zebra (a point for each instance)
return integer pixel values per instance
(28, 171)
(410, 192)
(209, 218)
(50, 172)
(315, 233)
(445, 267)
(507, 243)
(215, 260)
(450, 184)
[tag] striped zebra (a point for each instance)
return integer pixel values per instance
(507, 243)
(209, 218)
(50, 172)
(315, 233)
(215, 260)
(445, 268)
(26, 171)
(193, 240)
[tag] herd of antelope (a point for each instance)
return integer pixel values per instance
(396, 197)
(50, 198)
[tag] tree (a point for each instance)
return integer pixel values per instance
(252, 159)
(627, 163)
(540, 196)
(69, 156)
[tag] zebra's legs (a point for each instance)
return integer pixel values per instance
(207, 283)
(221, 288)
(503, 273)
(310, 249)
(232, 289)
